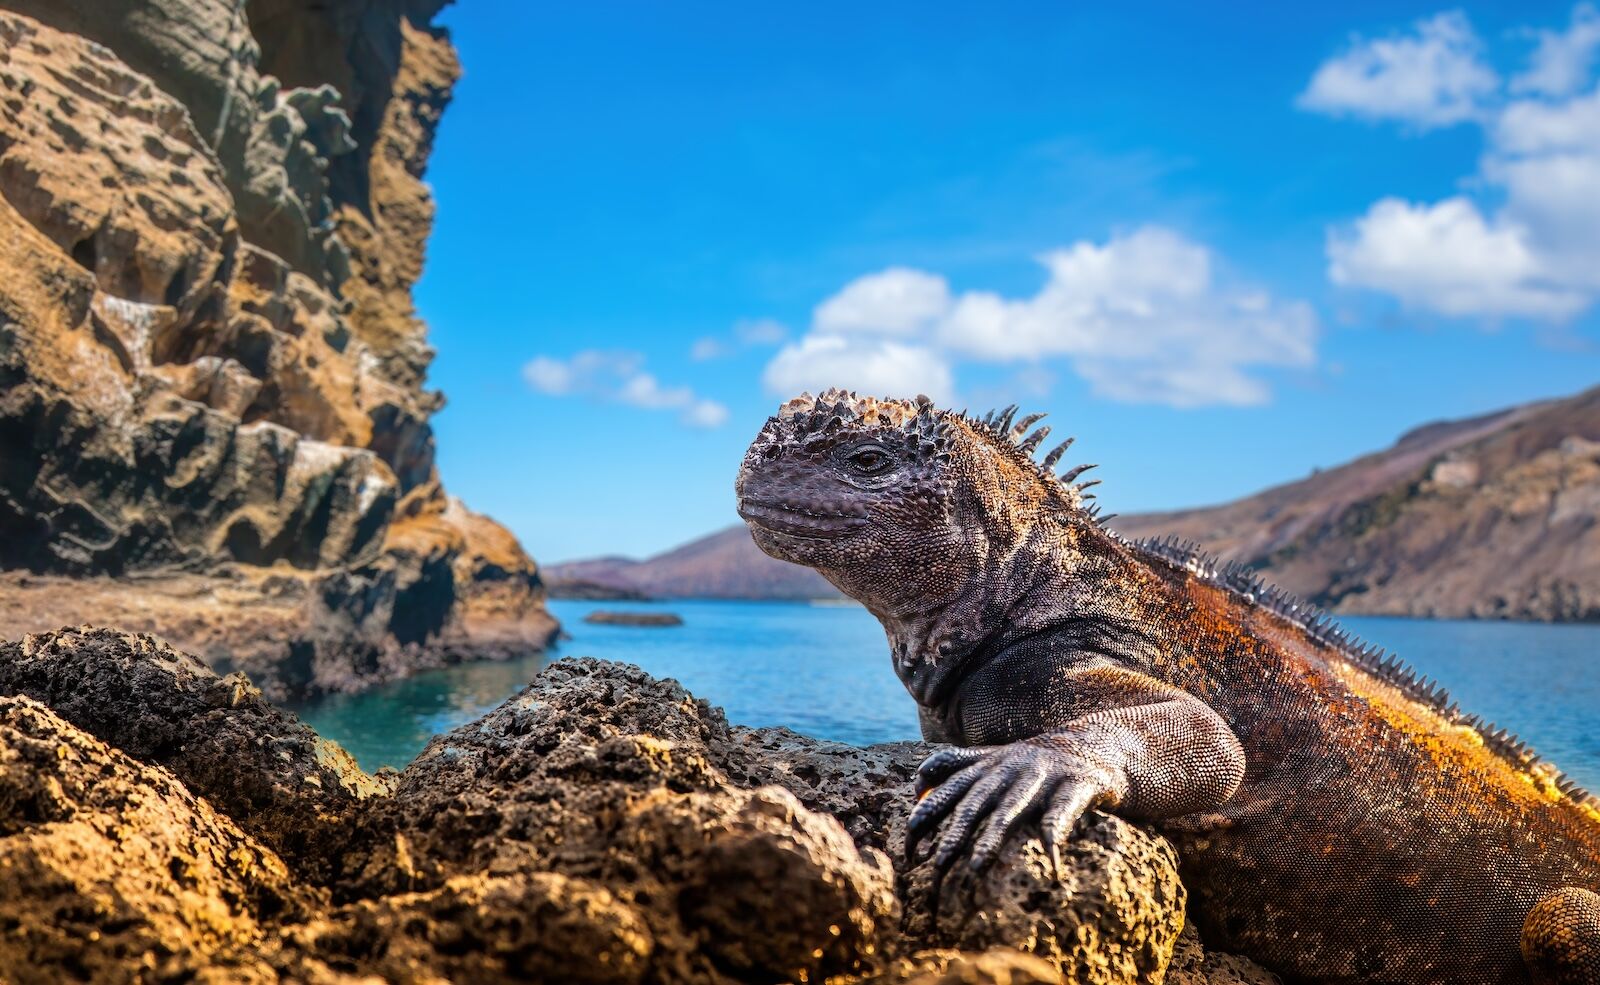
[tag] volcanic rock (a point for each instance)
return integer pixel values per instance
(111, 870)
(211, 375)
(157, 821)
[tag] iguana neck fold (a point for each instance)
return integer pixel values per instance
(1043, 581)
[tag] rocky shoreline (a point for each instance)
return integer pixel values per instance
(161, 822)
(275, 625)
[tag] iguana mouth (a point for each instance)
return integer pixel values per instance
(796, 522)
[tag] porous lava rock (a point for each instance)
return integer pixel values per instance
(285, 785)
(112, 870)
(158, 822)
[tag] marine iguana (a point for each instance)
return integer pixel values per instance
(1337, 817)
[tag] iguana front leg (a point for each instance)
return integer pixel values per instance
(1156, 752)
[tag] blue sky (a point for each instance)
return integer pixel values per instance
(1221, 246)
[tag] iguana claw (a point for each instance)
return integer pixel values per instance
(995, 788)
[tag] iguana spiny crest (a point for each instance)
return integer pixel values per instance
(838, 421)
(1337, 816)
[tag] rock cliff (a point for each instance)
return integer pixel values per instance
(160, 822)
(211, 373)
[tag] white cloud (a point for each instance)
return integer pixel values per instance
(1446, 257)
(619, 376)
(760, 331)
(548, 375)
(1142, 317)
(750, 333)
(1561, 64)
(869, 365)
(1539, 127)
(1546, 159)
(642, 390)
(1525, 240)
(1432, 77)
(705, 414)
(708, 348)
(897, 301)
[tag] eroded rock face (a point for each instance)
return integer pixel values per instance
(601, 826)
(208, 354)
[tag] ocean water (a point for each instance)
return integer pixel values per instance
(824, 670)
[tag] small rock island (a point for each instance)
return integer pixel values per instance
(609, 617)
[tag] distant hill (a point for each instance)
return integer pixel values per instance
(1491, 517)
(723, 565)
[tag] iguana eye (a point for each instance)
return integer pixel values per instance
(870, 460)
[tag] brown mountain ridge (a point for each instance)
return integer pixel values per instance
(723, 565)
(1490, 517)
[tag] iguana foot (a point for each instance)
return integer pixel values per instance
(1044, 776)
(1561, 938)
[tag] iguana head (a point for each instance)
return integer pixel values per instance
(903, 506)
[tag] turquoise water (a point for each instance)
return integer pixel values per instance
(824, 670)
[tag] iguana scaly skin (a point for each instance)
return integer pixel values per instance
(1337, 818)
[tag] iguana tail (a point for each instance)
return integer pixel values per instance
(1561, 938)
